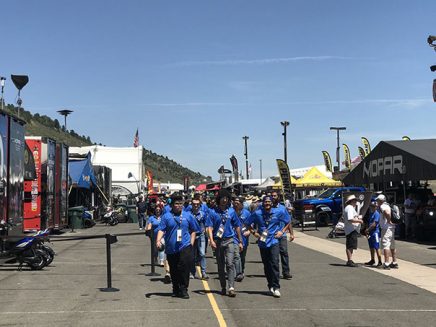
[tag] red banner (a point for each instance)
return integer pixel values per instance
(149, 181)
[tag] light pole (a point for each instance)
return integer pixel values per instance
(245, 138)
(260, 161)
(337, 129)
(130, 175)
(285, 124)
(65, 113)
(2, 84)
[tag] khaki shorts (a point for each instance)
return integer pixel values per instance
(388, 239)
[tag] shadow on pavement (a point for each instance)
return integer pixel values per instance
(264, 293)
(255, 276)
(204, 292)
(149, 295)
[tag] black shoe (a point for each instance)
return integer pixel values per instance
(393, 265)
(386, 267)
(223, 291)
(239, 278)
(184, 295)
(350, 263)
(167, 279)
(370, 263)
(379, 264)
(287, 276)
(176, 294)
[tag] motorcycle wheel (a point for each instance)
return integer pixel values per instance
(49, 252)
(40, 260)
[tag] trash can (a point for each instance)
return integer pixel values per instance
(131, 214)
(75, 217)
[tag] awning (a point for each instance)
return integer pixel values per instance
(81, 173)
(314, 178)
(394, 161)
(201, 187)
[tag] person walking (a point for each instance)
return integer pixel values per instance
(159, 254)
(222, 223)
(179, 229)
(200, 240)
(271, 225)
(373, 235)
(141, 209)
(239, 259)
(283, 242)
(352, 223)
(387, 233)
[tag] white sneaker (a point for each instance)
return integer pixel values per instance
(271, 290)
(140, 228)
(276, 293)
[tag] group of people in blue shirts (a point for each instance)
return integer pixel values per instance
(185, 229)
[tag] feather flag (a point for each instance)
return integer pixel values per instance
(362, 153)
(347, 156)
(366, 145)
(327, 161)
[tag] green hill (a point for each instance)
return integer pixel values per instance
(163, 168)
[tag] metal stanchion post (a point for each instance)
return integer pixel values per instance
(109, 240)
(152, 252)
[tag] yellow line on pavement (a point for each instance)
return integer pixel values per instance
(212, 301)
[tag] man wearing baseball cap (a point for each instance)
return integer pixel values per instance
(352, 222)
(387, 233)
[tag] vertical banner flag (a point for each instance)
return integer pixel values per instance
(186, 183)
(347, 156)
(366, 145)
(234, 163)
(150, 182)
(136, 139)
(406, 138)
(285, 178)
(434, 90)
(362, 153)
(327, 161)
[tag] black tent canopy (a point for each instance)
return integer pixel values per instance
(396, 161)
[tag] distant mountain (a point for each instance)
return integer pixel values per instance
(163, 168)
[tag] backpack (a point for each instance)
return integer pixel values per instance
(396, 217)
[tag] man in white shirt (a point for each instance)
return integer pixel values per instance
(387, 233)
(352, 222)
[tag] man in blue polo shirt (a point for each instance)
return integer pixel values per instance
(271, 225)
(180, 229)
(222, 223)
(238, 206)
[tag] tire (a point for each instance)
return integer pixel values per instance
(40, 260)
(322, 218)
(50, 254)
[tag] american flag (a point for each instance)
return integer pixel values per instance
(136, 139)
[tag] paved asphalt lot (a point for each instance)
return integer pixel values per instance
(323, 291)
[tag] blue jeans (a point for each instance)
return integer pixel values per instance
(200, 253)
(141, 220)
(270, 259)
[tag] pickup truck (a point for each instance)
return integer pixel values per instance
(324, 209)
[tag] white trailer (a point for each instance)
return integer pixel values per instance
(128, 170)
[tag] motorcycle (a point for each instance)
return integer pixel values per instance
(110, 217)
(23, 251)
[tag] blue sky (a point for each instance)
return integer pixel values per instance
(196, 76)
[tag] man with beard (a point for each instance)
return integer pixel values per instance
(180, 229)
(271, 225)
(223, 223)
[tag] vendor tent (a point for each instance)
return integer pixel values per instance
(396, 161)
(314, 178)
(81, 173)
(269, 182)
(278, 184)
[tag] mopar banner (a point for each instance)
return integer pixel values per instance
(406, 138)
(362, 153)
(285, 178)
(327, 161)
(364, 199)
(347, 156)
(366, 145)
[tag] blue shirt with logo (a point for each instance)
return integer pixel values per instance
(374, 218)
(170, 223)
(200, 217)
(243, 215)
(228, 218)
(273, 221)
(286, 212)
(155, 222)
